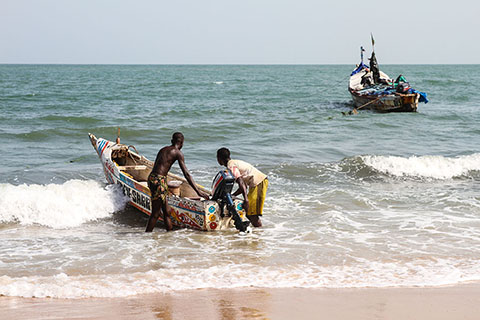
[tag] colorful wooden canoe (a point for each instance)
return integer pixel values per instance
(125, 167)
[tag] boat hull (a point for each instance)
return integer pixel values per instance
(186, 212)
(387, 103)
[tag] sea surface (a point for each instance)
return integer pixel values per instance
(367, 200)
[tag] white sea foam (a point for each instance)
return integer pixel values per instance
(59, 205)
(436, 167)
(378, 274)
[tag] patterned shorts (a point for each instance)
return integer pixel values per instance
(158, 186)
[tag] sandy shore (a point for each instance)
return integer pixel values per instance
(457, 302)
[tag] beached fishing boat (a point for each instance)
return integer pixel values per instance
(372, 89)
(125, 167)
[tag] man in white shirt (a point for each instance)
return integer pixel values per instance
(247, 177)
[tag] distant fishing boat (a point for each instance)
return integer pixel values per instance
(373, 89)
(127, 168)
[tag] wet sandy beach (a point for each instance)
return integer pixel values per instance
(456, 302)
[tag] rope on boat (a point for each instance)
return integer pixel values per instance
(366, 104)
(355, 110)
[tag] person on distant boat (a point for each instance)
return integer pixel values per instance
(375, 69)
(247, 175)
(157, 180)
(366, 80)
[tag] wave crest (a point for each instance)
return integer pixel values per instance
(434, 167)
(59, 205)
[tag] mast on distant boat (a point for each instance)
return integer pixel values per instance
(373, 42)
(374, 64)
(361, 54)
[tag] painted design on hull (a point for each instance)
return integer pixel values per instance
(140, 200)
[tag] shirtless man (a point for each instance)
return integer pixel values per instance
(157, 180)
(247, 176)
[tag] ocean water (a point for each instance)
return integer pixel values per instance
(367, 200)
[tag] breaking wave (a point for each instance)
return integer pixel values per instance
(59, 205)
(434, 167)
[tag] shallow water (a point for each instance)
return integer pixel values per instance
(368, 200)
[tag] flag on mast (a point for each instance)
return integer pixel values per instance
(373, 41)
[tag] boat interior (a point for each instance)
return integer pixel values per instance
(356, 84)
(138, 168)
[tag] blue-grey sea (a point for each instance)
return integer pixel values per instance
(366, 200)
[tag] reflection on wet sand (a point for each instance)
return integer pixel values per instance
(445, 303)
(212, 304)
(228, 310)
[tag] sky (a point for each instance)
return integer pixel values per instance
(238, 32)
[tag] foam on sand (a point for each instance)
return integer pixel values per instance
(361, 275)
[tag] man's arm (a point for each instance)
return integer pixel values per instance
(181, 162)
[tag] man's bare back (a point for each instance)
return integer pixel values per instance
(166, 157)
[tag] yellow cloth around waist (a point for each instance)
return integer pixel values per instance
(256, 198)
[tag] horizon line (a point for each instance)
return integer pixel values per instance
(220, 64)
